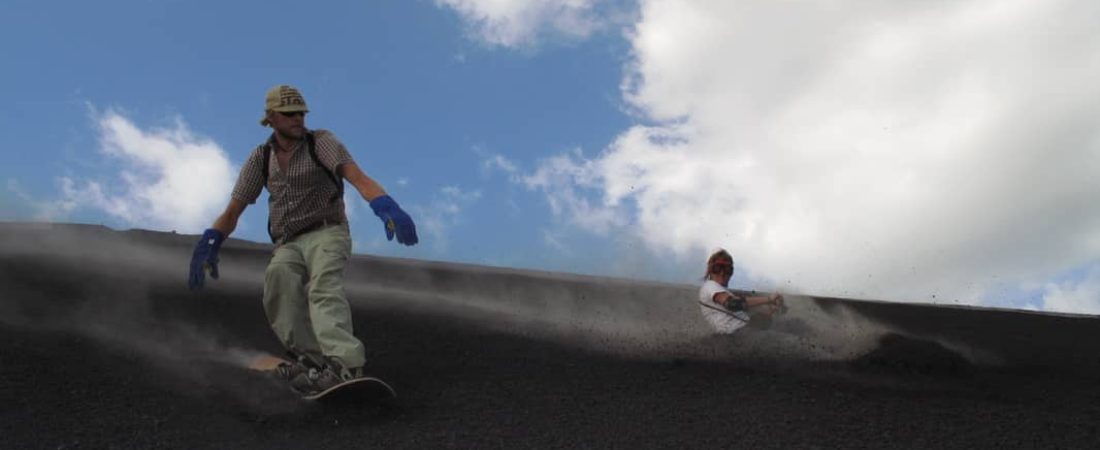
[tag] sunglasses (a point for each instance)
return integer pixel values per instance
(292, 113)
(720, 267)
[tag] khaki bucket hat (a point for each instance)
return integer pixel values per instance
(283, 98)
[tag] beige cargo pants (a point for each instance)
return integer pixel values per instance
(304, 296)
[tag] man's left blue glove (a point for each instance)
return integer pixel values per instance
(205, 257)
(395, 220)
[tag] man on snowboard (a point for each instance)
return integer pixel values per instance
(727, 311)
(304, 172)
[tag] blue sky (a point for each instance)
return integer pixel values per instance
(909, 152)
(400, 83)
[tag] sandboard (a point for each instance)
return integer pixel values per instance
(365, 390)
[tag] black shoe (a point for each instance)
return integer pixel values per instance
(289, 370)
(315, 381)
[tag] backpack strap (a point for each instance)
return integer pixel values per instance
(310, 142)
(266, 149)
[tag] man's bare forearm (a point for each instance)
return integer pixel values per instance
(227, 221)
(367, 187)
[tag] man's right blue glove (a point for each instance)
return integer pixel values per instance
(205, 257)
(395, 220)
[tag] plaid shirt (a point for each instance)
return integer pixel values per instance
(300, 197)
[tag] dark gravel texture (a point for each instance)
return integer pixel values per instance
(102, 346)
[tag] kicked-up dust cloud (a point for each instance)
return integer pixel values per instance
(127, 292)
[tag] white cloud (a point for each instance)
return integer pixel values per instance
(166, 178)
(17, 190)
(351, 204)
(895, 150)
(499, 162)
(553, 240)
(519, 23)
(43, 210)
(567, 180)
(444, 212)
(496, 162)
(1077, 296)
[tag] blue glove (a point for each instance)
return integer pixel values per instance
(395, 220)
(205, 257)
